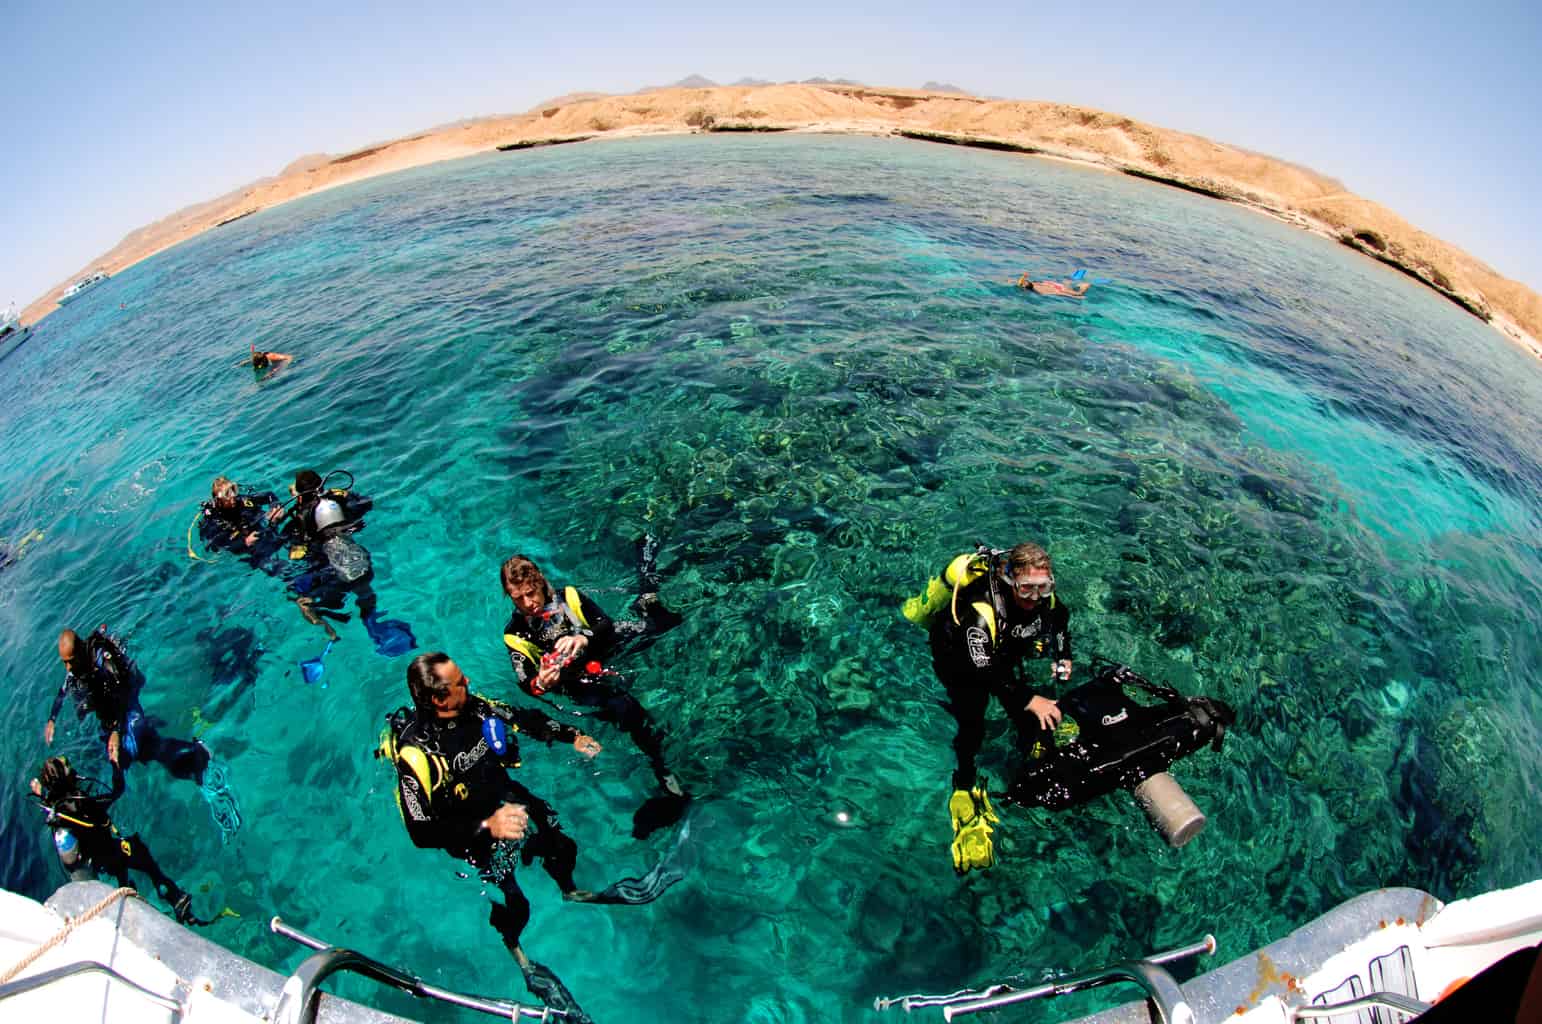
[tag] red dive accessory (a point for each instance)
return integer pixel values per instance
(551, 659)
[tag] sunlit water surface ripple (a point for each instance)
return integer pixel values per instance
(1270, 471)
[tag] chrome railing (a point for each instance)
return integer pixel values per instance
(1166, 999)
(45, 978)
(1391, 1000)
(297, 1003)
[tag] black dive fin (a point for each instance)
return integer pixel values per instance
(657, 812)
(674, 866)
(549, 989)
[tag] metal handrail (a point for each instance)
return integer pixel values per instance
(48, 977)
(1166, 999)
(1392, 1000)
(1165, 995)
(297, 1003)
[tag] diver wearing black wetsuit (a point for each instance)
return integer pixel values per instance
(103, 681)
(467, 782)
(89, 843)
(239, 522)
(320, 531)
(452, 758)
(982, 654)
(561, 642)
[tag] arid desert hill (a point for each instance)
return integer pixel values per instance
(1299, 196)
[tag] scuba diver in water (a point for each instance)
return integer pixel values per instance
(102, 680)
(320, 532)
(88, 843)
(452, 751)
(562, 643)
(988, 613)
(242, 521)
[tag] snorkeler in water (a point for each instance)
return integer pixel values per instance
(1068, 289)
(265, 363)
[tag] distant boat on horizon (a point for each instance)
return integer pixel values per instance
(74, 290)
(12, 333)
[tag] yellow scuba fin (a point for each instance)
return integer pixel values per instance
(973, 817)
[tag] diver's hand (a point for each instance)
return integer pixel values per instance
(275, 513)
(1046, 710)
(511, 821)
(48, 732)
(112, 748)
(586, 745)
(251, 538)
(571, 646)
(547, 678)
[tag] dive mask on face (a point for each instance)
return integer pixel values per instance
(1036, 588)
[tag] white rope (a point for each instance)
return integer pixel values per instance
(70, 924)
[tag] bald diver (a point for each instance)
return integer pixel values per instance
(102, 680)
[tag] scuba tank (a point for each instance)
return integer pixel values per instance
(68, 848)
(1120, 744)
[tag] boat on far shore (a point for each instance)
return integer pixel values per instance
(12, 331)
(74, 290)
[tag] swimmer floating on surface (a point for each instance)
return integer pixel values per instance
(1069, 289)
(265, 364)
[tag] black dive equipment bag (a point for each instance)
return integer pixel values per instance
(1121, 744)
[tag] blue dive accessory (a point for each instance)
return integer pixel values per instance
(312, 668)
(496, 734)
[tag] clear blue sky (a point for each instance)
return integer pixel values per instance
(118, 114)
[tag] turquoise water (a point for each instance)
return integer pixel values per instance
(1270, 471)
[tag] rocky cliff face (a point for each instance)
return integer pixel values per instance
(1300, 196)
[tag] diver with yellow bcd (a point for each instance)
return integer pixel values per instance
(987, 613)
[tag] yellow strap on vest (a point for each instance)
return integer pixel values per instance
(523, 646)
(986, 612)
(570, 594)
(416, 760)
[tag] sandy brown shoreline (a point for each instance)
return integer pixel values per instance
(1290, 193)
